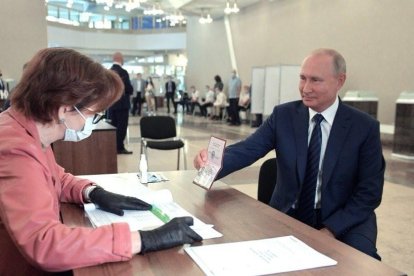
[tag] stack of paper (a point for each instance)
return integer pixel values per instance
(164, 209)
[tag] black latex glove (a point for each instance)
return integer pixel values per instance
(116, 203)
(175, 232)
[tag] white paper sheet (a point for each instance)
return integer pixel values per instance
(141, 220)
(258, 257)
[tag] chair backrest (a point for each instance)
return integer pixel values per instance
(267, 180)
(158, 127)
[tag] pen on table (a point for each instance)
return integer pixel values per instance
(160, 214)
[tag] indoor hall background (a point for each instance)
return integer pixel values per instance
(395, 214)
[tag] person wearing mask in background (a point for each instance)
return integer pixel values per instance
(234, 93)
(138, 95)
(330, 168)
(170, 88)
(119, 111)
(32, 185)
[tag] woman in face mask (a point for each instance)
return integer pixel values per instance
(60, 97)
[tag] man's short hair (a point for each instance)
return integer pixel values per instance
(339, 63)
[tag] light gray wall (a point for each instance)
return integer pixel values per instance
(375, 37)
(22, 34)
(207, 54)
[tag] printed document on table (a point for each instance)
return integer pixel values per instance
(206, 175)
(161, 200)
(258, 257)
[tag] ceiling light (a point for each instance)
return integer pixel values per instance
(231, 7)
(205, 18)
(155, 10)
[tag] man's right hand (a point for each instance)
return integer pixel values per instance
(201, 159)
(175, 232)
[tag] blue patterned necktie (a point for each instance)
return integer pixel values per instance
(305, 211)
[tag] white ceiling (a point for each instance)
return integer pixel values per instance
(187, 7)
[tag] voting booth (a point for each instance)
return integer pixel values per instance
(363, 100)
(273, 85)
(404, 126)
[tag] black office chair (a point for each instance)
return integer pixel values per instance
(159, 132)
(267, 180)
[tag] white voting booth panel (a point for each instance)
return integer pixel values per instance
(273, 85)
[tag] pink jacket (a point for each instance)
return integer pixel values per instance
(32, 185)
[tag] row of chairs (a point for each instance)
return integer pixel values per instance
(159, 132)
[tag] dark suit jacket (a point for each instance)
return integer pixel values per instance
(123, 102)
(173, 87)
(353, 166)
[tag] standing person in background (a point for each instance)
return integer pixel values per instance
(330, 168)
(138, 96)
(150, 96)
(234, 93)
(170, 88)
(33, 238)
(119, 111)
(218, 84)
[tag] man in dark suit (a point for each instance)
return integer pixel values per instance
(119, 111)
(169, 93)
(349, 174)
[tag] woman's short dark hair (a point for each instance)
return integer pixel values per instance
(217, 78)
(57, 76)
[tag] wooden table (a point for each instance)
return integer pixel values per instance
(94, 155)
(239, 218)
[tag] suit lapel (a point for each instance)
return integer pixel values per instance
(301, 125)
(337, 137)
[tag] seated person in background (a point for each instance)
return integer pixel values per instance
(194, 98)
(183, 100)
(244, 98)
(32, 185)
(210, 97)
(150, 96)
(330, 168)
(219, 104)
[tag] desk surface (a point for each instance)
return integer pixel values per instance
(240, 218)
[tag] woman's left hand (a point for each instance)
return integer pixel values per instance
(116, 203)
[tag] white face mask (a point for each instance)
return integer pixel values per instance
(78, 135)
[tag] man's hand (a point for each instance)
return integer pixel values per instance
(201, 159)
(174, 233)
(116, 203)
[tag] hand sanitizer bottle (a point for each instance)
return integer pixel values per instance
(143, 168)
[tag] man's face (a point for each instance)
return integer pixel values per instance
(319, 85)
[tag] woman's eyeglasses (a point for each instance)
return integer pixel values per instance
(97, 117)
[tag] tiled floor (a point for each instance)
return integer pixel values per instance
(395, 214)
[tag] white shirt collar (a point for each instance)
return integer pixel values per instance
(117, 63)
(328, 114)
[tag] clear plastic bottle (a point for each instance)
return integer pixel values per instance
(143, 169)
